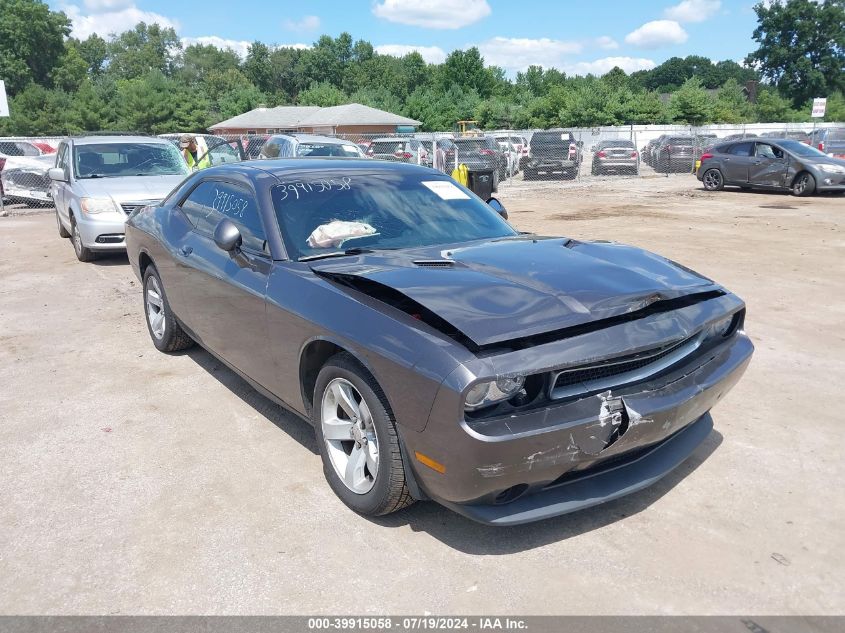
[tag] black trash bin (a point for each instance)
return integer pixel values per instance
(480, 182)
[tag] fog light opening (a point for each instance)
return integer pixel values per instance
(510, 494)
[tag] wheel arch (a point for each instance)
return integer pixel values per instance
(144, 262)
(314, 355)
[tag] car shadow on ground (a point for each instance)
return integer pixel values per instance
(111, 259)
(474, 538)
(286, 421)
(446, 526)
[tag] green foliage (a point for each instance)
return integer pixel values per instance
(31, 42)
(801, 47)
(323, 94)
(691, 103)
(143, 80)
(771, 107)
(731, 104)
(146, 48)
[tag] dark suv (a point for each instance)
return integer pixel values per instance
(553, 154)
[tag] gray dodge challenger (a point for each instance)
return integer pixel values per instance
(439, 353)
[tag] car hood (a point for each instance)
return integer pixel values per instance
(129, 188)
(39, 164)
(513, 288)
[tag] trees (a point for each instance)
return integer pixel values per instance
(146, 48)
(31, 42)
(691, 103)
(801, 47)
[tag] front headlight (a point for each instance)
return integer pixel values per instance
(92, 206)
(831, 169)
(490, 392)
(721, 328)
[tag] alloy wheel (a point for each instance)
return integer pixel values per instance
(155, 308)
(712, 179)
(350, 435)
(801, 184)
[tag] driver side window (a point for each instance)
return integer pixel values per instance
(764, 150)
(212, 200)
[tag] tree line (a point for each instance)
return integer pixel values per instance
(144, 79)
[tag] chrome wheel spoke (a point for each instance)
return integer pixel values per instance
(337, 429)
(345, 400)
(371, 452)
(354, 475)
(154, 298)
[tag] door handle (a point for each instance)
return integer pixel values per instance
(757, 162)
(185, 251)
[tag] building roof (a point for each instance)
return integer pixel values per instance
(355, 114)
(291, 117)
(279, 117)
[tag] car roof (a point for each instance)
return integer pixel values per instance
(116, 140)
(281, 166)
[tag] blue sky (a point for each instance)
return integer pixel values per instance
(576, 37)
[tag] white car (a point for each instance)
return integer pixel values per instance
(99, 180)
(511, 154)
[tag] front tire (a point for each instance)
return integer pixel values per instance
(83, 253)
(63, 232)
(357, 439)
(713, 180)
(165, 331)
(804, 185)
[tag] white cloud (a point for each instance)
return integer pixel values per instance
(601, 66)
(514, 53)
(432, 14)
(656, 34)
(106, 22)
(307, 23)
(104, 6)
(241, 47)
(693, 10)
(606, 42)
(431, 54)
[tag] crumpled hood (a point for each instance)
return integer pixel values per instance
(130, 188)
(513, 288)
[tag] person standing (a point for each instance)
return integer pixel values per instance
(196, 157)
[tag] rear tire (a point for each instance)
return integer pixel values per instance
(83, 253)
(713, 180)
(63, 232)
(804, 185)
(164, 328)
(373, 442)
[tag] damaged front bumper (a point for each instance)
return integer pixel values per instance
(577, 453)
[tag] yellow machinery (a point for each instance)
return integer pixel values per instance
(468, 128)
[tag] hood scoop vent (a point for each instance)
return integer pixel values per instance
(434, 263)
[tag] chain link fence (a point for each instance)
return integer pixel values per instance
(501, 158)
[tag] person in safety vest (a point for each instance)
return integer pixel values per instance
(196, 157)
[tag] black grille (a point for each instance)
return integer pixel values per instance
(130, 208)
(435, 263)
(614, 367)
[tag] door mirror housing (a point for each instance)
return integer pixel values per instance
(498, 207)
(227, 236)
(57, 174)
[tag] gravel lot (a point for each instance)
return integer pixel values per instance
(132, 482)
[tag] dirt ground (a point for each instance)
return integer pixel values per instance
(133, 482)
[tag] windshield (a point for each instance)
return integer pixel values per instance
(327, 149)
(112, 160)
(327, 212)
(800, 149)
(837, 134)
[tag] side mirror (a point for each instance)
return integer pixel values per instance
(227, 236)
(498, 207)
(57, 174)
